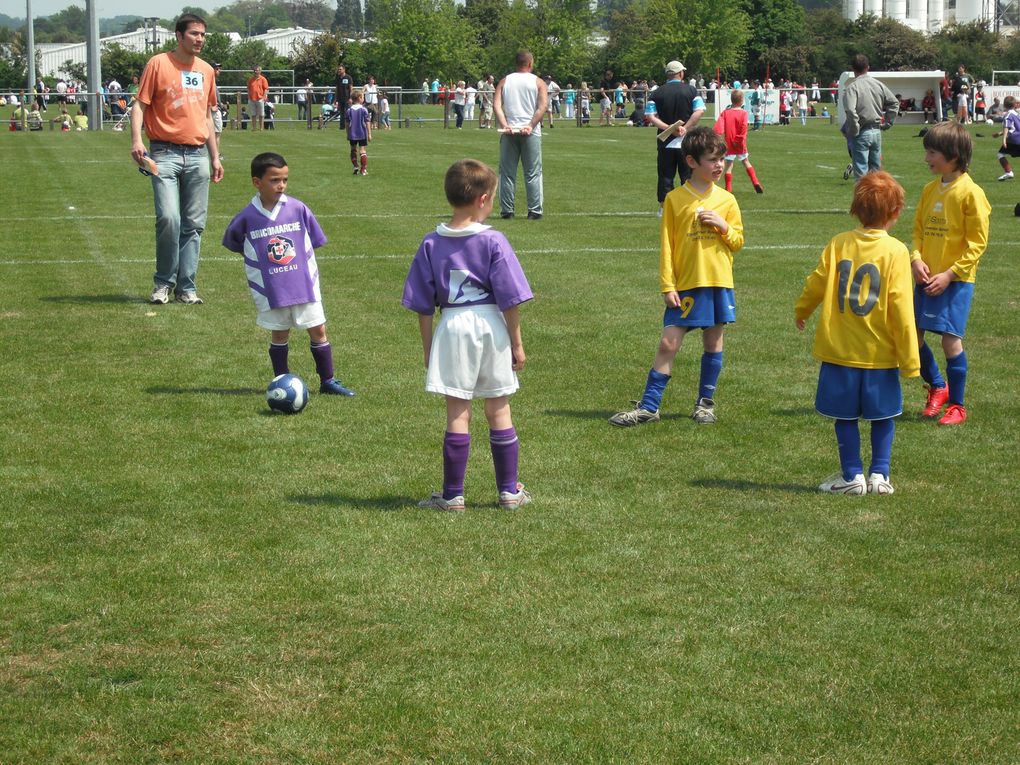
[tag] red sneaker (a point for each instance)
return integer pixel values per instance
(937, 398)
(954, 415)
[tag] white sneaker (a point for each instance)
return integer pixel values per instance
(436, 502)
(509, 500)
(636, 416)
(704, 411)
(160, 294)
(879, 484)
(836, 484)
(1006, 176)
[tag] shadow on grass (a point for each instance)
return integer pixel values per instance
(603, 414)
(87, 299)
(737, 485)
(166, 390)
(390, 503)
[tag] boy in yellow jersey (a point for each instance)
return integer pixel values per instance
(865, 337)
(701, 229)
(950, 235)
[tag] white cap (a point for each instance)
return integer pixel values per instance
(675, 67)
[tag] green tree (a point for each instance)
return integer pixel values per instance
(628, 31)
(777, 24)
(119, 63)
(317, 59)
(13, 62)
(217, 48)
(706, 33)
(424, 38)
(310, 14)
(972, 45)
(485, 15)
(348, 19)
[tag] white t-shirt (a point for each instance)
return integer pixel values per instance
(371, 94)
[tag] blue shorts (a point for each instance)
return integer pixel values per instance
(702, 307)
(849, 393)
(946, 313)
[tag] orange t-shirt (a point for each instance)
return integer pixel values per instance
(258, 86)
(177, 99)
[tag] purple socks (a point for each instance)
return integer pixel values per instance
(505, 452)
(456, 447)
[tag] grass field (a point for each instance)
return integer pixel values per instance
(186, 578)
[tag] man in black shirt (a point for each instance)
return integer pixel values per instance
(342, 84)
(674, 100)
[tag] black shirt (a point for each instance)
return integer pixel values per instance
(343, 90)
(674, 100)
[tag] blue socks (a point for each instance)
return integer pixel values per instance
(882, 432)
(930, 368)
(654, 389)
(956, 371)
(848, 439)
(711, 366)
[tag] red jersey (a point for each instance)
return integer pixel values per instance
(732, 126)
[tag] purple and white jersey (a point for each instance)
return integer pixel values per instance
(279, 252)
(462, 267)
(1011, 124)
(358, 118)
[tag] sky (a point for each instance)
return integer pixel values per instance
(165, 9)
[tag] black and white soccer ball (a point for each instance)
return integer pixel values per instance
(287, 394)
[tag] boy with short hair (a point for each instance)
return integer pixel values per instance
(471, 272)
(732, 126)
(865, 338)
(359, 132)
(278, 235)
(950, 235)
(701, 229)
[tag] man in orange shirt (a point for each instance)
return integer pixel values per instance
(258, 86)
(174, 101)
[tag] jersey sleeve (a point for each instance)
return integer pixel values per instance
(509, 285)
(814, 287)
(315, 233)
(420, 285)
(734, 237)
(917, 239)
(233, 237)
(667, 238)
(976, 212)
(900, 317)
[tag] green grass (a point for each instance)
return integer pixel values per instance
(185, 578)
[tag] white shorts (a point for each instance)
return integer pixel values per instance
(735, 157)
(258, 108)
(300, 316)
(217, 120)
(471, 355)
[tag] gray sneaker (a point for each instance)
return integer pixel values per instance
(509, 500)
(436, 502)
(189, 298)
(636, 416)
(160, 294)
(704, 411)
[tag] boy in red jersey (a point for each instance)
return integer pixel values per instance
(732, 125)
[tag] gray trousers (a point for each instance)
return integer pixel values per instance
(526, 150)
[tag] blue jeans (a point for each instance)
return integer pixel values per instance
(181, 195)
(526, 150)
(866, 151)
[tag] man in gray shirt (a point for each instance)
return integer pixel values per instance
(870, 107)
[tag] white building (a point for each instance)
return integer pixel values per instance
(54, 55)
(283, 41)
(922, 15)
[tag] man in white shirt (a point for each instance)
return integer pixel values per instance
(520, 101)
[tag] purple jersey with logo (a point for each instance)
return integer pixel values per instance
(1011, 124)
(463, 267)
(279, 252)
(358, 118)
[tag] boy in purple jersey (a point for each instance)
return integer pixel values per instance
(277, 235)
(359, 132)
(472, 273)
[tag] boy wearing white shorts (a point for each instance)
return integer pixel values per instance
(278, 235)
(472, 274)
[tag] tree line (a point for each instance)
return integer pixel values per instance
(404, 42)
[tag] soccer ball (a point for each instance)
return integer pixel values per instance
(287, 394)
(990, 122)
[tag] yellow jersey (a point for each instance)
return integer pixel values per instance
(865, 287)
(951, 227)
(693, 255)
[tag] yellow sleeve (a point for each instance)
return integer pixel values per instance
(976, 212)
(667, 276)
(814, 288)
(917, 241)
(900, 319)
(734, 237)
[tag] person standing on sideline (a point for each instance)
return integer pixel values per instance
(175, 101)
(674, 100)
(258, 87)
(520, 102)
(342, 87)
(870, 108)
(371, 91)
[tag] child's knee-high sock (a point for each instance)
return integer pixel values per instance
(729, 180)
(848, 439)
(364, 161)
(711, 366)
(456, 447)
(882, 432)
(354, 157)
(956, 371)
(505, 453)
(278, 355)
(751, 174)
(654, 388)
(323, 355)
(930, 368)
